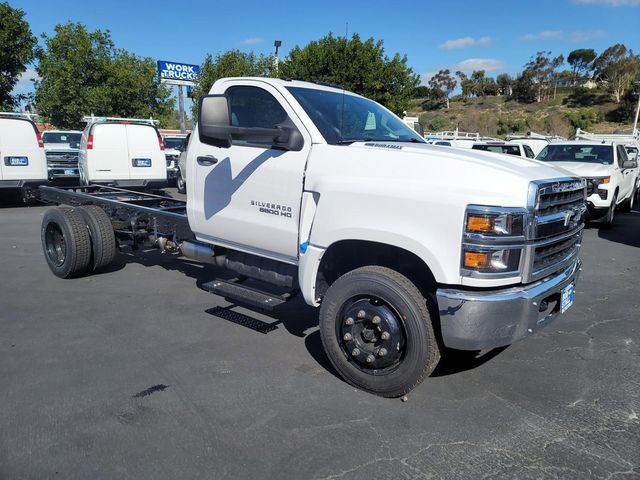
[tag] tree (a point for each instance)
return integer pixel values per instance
(232, 63)
(422, 91)
(581, 60)
(82, 73)
(465, 84)
(505, 84)
(617, 66)
(442, 83)
(359, 66)
(16, 51)
(524, 88)
(542, 67)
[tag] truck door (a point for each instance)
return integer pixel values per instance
(248, 196)
(145, 160)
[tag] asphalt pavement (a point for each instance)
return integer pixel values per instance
(131, 374)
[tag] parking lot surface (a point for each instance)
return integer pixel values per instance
(130, 374)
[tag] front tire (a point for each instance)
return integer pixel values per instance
(611, 213)
(629, 204)
(181, 185)
(66, 242)
(377, 331)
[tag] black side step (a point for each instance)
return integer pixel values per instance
(234, 290)
(242, 319)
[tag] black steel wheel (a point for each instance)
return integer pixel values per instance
(377, 332)
(103, 239)
(65, 242)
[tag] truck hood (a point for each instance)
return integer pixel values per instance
(586, 170)
(423, 171)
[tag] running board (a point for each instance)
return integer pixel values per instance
(234, 290)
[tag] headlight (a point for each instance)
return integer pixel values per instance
(493, 261)
(594, 185)
(483, 222)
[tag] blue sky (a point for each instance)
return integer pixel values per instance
(499, 36)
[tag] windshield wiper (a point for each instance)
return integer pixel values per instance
(349, 141)
(410, 140)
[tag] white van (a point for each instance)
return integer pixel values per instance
(23, 164)
(121, 152)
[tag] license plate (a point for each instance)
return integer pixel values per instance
(141, 162)
(70, 172)
(566, 297)
(16, 161)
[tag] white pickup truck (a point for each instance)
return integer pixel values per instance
(612, 178)
(306, 188)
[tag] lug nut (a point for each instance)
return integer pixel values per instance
(370, 358)
(347, 337)
(361, 314)
(382, 352)
(376, 320)
(385, 336)
(355, 352)
(349, 321)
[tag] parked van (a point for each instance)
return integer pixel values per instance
(23, 165)
(122, 152)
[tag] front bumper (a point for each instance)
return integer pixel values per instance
(481, 320)
(172, 173)
(594, 212)
(142, 183)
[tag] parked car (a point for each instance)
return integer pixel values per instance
(122, 152)
(173, 145)
(405, 247)
(611, 177)
(62, 149)
(517, 149)
(23, 165)
(181, 179)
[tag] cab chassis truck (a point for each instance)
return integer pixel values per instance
(405, 247)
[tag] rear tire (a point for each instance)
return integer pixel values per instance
(181, 185)
(65, 241)
(103, 239)
(354, 338)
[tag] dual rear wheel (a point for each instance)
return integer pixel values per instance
(77, 240)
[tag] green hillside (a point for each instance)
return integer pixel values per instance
(497, 116)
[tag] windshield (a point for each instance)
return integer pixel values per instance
(174, 143)
(506, 149)
(61, 137)
(577, 153)
(347, 118)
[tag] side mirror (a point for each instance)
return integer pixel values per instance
(214, 127)
(630, 164)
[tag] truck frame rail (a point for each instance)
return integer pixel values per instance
(135, 213)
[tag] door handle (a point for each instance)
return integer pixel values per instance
(207, 160)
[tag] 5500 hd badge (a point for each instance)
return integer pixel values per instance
(272, 209)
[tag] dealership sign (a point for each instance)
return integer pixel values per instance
(175, 73)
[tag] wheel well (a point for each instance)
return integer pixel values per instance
(346, 255)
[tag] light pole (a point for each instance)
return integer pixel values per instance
(277, 44)
(635, 122)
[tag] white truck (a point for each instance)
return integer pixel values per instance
(23, 165)
(62, 149)
(406, 248)
(612, 178)
(174, 144)
(122, 152)
(515, 148)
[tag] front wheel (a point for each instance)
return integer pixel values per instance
(629, 204)
(611, 213)
(180, 183)
(377, 331)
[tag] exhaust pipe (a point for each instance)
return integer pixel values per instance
(202, 253)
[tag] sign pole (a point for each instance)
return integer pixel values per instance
(183, 127)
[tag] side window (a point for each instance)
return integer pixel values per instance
(622, 155)
(528, 152)
(254, 107)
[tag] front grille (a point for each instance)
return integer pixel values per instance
(556, 253)
(560, 208)
(590, 188)
(62, 159)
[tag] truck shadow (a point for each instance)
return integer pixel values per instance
(625, 229)
(298, 319)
